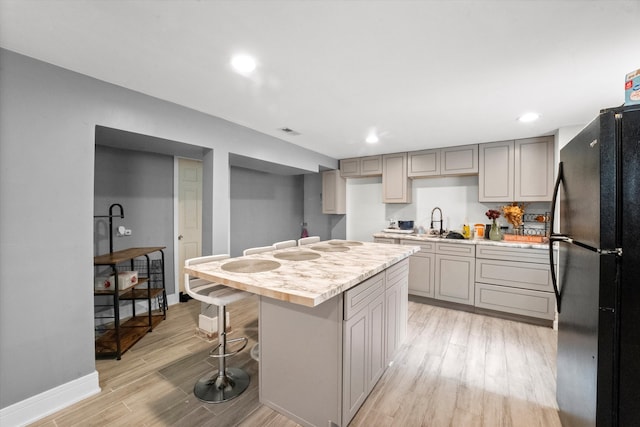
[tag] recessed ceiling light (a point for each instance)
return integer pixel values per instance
(243, 63)
(529, 117)
(372, 138)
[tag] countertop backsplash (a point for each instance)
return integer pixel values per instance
(457, 197)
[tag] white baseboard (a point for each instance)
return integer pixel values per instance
(173, 299)
(39, 406)
(50, 401)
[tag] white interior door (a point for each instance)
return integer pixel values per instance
(189, 213)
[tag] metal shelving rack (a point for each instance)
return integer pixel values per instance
(118, 335)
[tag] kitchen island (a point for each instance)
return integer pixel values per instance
(332, 316)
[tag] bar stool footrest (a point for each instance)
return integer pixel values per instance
(213, 353)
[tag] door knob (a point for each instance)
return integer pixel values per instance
(180, 237)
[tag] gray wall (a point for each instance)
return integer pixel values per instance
(143, 184)
(265, 208)
(48, 119)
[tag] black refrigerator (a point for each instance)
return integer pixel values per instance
(597, 280)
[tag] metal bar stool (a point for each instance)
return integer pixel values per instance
(255, 350)
(226, 383)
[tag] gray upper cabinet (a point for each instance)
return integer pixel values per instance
(520, 170)
(350, 167)
(361, 166)
(396, 186)
(496, 173)
(334, 193)
(424, 163)
(534, 169)
(462, 160)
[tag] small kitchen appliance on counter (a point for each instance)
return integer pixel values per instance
(405, 225)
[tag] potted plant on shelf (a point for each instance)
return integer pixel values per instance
(494, 233)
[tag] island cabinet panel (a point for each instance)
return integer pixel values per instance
(301, 357)
(359, 297)
(355, 384)
(364, 342)
(364, 355)
(384, 240)
(396, 299)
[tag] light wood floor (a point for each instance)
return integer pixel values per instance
(455, 369)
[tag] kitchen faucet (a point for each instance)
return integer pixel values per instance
(432, 221)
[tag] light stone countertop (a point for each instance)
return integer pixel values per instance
(341, 266)
(487, 242)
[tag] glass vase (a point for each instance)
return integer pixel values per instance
(494, 233)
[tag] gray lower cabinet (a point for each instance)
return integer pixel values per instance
(396, 309)
(455, 273)
(498, 278)
(364, 354)
(422, 269)
(374, 327)
(514, 280)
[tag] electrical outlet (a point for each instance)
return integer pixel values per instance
(127, 232)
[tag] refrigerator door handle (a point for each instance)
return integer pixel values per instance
(616, 251)
(555, 237)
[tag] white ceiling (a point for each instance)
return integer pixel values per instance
(422, 73)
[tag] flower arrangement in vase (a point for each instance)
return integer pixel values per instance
(494, 233)
(514, 213)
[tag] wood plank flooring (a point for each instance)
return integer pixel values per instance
(455, 369)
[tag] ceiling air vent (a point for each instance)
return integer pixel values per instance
(289, 131)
